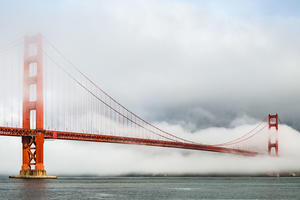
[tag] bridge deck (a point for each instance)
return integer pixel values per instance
(8, 131)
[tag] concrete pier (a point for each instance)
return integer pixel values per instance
(34, 177)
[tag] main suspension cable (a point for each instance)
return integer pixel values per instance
(241, 139)
(100, 89)
(106, 104)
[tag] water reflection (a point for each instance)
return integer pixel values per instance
(148, 188)
(32, 189)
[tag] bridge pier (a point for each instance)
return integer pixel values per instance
(33, 155)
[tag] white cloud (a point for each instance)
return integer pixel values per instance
(69, 158)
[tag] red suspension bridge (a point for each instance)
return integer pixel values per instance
(45, 96)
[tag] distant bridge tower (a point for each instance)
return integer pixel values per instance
(33, 108)
(273, 136)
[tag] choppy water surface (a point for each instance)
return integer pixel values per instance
(151, 188)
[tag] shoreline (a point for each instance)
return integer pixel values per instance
(286, 174)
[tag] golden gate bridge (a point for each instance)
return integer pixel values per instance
(45, 96)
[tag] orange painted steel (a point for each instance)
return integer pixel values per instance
(271, 143)
(121, 140)
(33, 146)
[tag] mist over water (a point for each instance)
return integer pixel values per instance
(102, 159)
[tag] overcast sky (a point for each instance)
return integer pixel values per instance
(198, 63)
(193, 63)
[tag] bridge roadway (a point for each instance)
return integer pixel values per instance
(9, 131)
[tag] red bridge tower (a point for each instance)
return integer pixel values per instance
(273, 137)
(33, 108)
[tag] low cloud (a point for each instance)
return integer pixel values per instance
(87, 158)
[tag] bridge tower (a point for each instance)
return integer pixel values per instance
(33, 108)
(273, 136)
